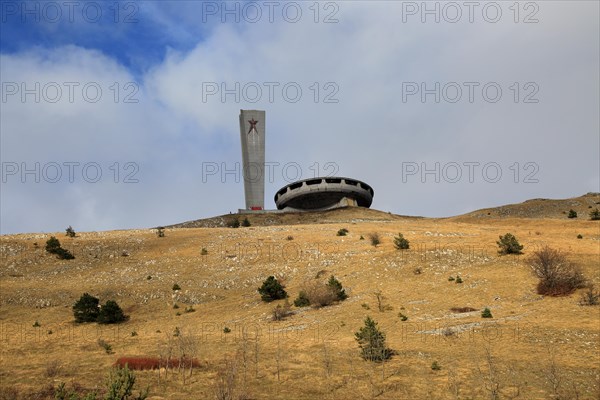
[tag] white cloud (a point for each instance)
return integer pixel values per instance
(369, 133)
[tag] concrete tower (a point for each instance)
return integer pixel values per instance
(252, 134)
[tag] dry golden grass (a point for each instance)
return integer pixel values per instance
(311, 354)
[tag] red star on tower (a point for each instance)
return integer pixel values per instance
(252, 125)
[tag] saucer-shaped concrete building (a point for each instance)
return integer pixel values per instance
(323, 194)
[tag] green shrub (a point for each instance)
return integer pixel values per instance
(572, 214)
(458, 279)
(105, 345)
(119, 386)
(203, 252)
(302, 300)
(451, 278)
(176, 287)
(190, 309)
(595, 215)
(271, 290)
(121, 382)
(336, 287)
(36, 324)
(64, 254)
(579, 236)
(226, 330)
(401, 243)
(361, 237)
(160, 231)
(246, 222)
(234, 223)
(111, 313)
(486, 313)
(372, 342)
(509, 244)
(590, 297)
(53, 247)
(435, 366)
(70, 232)
(86, 309)
(402, 317)
(342, 232)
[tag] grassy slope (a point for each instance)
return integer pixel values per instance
(315, 349)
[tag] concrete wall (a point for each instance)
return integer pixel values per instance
(253, 156)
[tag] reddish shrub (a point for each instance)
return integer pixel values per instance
(558, 276)
(138, 363)
(150, 363)
(462, 309)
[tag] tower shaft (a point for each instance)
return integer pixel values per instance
(252, 135)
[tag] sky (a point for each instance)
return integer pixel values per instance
(118, 115)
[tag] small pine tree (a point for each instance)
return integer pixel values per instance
(246, 222)
(111, 313)
(160, 231)
(271, 290)
(595, 215)
(336, 287)
(302, 300)
(401, 243)
(86, 308)
(509, 244)
(486, 313)
(234, 223)
(52, 245)
(121, 382)
(70, 232)
(572, 214)
(372, 342)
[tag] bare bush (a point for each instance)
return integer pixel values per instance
(448, 331)
(558, 276)
(281, 312)
(375, 239)
(381, 305)
(9, 393)
(320, 295)
(590, 297)
(53, 368)
(225, 384)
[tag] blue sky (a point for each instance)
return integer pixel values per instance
(113, 114)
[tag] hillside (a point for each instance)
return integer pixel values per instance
(540, 208)
(346, 214)
(536, 208)
(534, 345)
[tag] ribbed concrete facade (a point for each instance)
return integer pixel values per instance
(252, 135)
